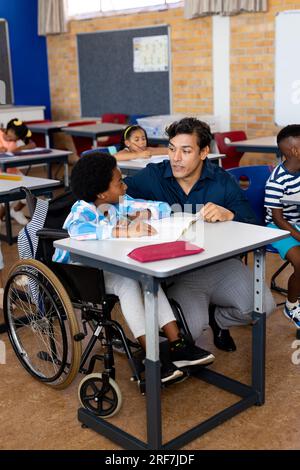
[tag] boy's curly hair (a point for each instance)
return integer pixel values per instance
(92, 175)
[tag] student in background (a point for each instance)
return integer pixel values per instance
(104, 211)
(285, 179)
(134, 144)
(14, 138)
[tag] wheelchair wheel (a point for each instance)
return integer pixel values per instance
(41, 324)
(100, 394)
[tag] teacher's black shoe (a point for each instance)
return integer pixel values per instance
(222, 338)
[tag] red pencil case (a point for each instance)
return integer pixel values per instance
(167, 250)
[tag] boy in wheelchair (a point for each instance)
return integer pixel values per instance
(103, 211)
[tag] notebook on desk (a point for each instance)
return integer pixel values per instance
(168, 229)
(36, 151)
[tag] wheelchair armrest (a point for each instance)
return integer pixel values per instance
(52, 233)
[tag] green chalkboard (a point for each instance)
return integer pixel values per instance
(109, 82)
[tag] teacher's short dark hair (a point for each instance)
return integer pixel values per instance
(191, 125)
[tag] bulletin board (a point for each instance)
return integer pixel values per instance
(126, 71)
(6, 85)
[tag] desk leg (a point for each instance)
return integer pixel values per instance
(8, 224)
(47, 141)
(66, 174)
(154, 433)
(259, 328)
(49, 171)
(95, 143)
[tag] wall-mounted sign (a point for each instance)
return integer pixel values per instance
(150, 54)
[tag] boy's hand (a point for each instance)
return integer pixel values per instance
(3, 149)
(213, 213)
(133, 229)
(140, 229)
(142, 215)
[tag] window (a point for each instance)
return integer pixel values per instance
(88, 8)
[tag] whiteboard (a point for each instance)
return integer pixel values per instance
(6, 84)
(287, 68)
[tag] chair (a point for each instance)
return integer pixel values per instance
(257, 176)
(112, 149)
(38, 139)
(81, 143)
(116, 119)
(252, 179)
(51, 308)
(132, 120)
(232, 155)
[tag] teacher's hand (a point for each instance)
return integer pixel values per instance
(213, 213)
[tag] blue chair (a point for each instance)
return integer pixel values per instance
(111, 149)
(253, 180)
(134, 117)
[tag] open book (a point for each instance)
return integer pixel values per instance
(153, 159)
(168, 229)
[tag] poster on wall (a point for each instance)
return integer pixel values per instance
(150, 54)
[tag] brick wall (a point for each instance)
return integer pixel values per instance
(251, 58)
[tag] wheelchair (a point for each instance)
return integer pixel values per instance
(41, 299)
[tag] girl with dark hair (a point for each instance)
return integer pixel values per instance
(134, 144)
(14, 138)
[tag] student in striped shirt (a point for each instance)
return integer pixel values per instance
(285, 179)
(104, 211)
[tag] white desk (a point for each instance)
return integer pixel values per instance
(9, 192)
(95, 130)
(30, 158)
(222, 241)
(50, 128)
(24, 113)
(133, 166)
(259, 145)
(30, 182)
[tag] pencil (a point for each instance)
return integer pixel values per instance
(7, 176)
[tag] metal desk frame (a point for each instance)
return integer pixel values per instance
(57, 156)
(16, 196)
(250, 395)
(93, 131)
(254, 146)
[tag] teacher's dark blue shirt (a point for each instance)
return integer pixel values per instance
(156, 182)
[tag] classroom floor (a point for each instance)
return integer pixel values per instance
(34, 416)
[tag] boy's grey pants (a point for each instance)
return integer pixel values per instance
(228, 285)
